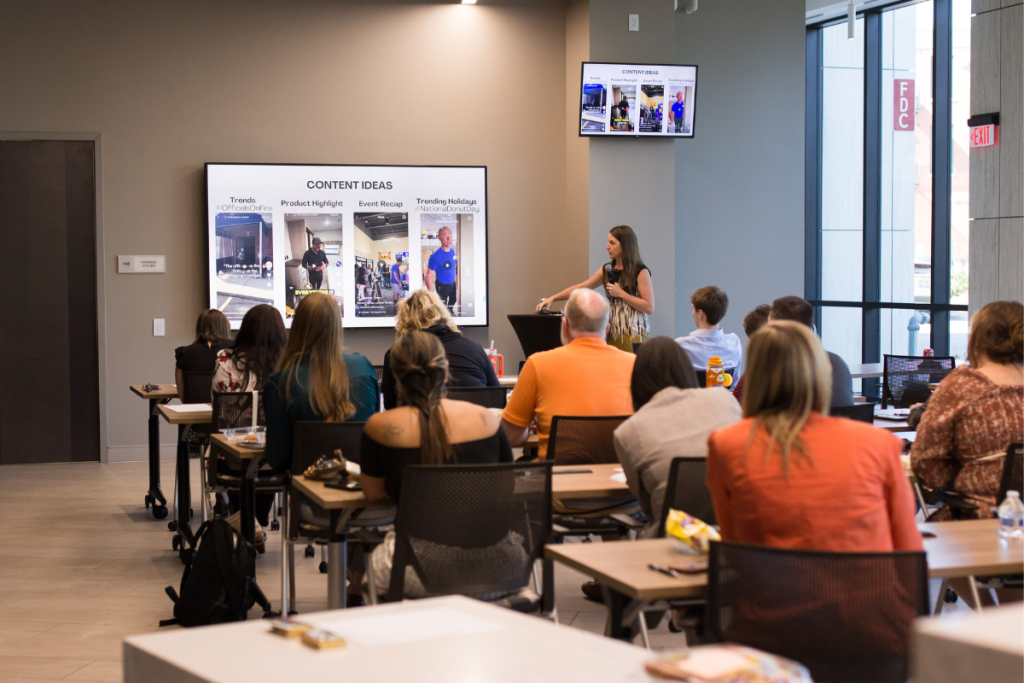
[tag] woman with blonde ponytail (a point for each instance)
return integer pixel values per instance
(315, 380)
(789, 476)
(429, 429)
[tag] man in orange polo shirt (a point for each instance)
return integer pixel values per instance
(585, 376)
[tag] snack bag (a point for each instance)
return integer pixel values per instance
(690, 530)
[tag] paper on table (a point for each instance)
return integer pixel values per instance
(190, 408)
(408, 627)
(620, 477)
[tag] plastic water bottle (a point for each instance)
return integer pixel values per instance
(1011, 516)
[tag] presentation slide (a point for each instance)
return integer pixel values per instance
(638, 100)
(366, 235)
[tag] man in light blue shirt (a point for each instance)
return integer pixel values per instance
(709, 306)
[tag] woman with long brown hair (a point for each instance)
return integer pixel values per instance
(315, 379)
(789, 476)
(627, 282)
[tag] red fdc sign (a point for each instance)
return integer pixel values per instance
(903, 104)
(984, 136)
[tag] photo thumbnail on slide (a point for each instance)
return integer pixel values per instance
(313, 262)
(623, 107)
(244, 266)
(446, 246)
(595, 108)
(381, 248)
(652, 108)
(680, 109)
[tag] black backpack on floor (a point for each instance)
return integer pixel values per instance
(219, 584)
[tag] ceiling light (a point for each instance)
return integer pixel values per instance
(468, 2)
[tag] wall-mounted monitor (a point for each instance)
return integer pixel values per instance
(637, 100)
(366, 235)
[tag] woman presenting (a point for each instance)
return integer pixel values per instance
(627, 281)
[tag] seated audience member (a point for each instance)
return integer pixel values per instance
(797, 309)
(788, 476)
(976, 413)
(754, 321)
(673, 418)
(709, 305)
(315, 379)
(468, 365)
(246, 367)
(585, 376)
(426, 430)
(213, 333)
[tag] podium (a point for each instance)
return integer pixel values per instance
(537, 332)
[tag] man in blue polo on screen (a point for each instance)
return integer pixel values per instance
(441, 269)
(677, 113)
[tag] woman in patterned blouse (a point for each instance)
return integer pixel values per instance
(976, 413)
(247, 365)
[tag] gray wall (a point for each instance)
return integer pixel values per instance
(997, 173)
(740, 181)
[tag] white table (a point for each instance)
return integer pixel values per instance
(961, 647)
(507, 647)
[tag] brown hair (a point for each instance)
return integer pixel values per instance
(212, 326)
(631, 259)
(316, 332)
(258, 345)
(793, 308)
(997, 334)
(713, 301)
(788, 375)
(660, 363)
(419, 364)
(421, 310)
(756, 319)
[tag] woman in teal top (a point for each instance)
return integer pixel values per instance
(315, 380)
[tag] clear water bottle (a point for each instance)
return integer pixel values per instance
(1011, 516)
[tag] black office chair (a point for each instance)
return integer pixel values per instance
(905, 379)
(687, 491)
(488, 397)
(702, 378)
(1013, 472)
(845, 616)
(379, 369)
(473, 530)
(197, 387)
(859, 412)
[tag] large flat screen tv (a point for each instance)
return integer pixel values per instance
(637, 100)
(366, 235)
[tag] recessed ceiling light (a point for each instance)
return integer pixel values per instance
(468, 2)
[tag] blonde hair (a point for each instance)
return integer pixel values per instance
(316, 330)
(419, 364)
(421, 310)
(788, 375)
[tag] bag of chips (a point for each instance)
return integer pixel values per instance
(690, 531)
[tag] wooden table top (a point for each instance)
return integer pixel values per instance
(327, 498)
(597, 483)
(198, 417)
(970, 548)
(233, 446)
(162, 391)
(508, 381)
(622, 566)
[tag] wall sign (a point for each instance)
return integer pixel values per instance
(903, 104)
(141, 264)
(984, 130)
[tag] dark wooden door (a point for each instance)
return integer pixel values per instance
(49, 367)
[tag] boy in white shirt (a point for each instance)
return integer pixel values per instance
(709, 306)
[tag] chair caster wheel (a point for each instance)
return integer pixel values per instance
(950, 597)
(149, 501)
(186, 555)
(172, 526)
(275, 525)
(309, 552)
(159, 511)
(175, 542)
(323, 567)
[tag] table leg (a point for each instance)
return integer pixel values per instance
(184, 500)
(247, 501)
(337, 581)
(617, 604)
(974, 593)
(155, 493)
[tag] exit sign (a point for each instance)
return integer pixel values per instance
(984, 130)
(903, 104)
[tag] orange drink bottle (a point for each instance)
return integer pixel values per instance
(717, 376)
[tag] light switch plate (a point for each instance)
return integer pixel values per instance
(634, 22)
(158, 327)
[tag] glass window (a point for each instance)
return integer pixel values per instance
(841, 333)
(960, 182)
(842, 167)
(906, 179)
(905, 332)
(959, 327)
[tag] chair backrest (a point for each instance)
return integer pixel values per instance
(488, 397)
(198, 386)
(314, 439)
(379, 369)
(232, 410)
(471, 530)
(688, 491)
(583, 440)
(861, 412)
(845, 616)
(905, 379)
(702, 378)
(1013, 472)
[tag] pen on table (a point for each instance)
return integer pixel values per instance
(668, 571)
